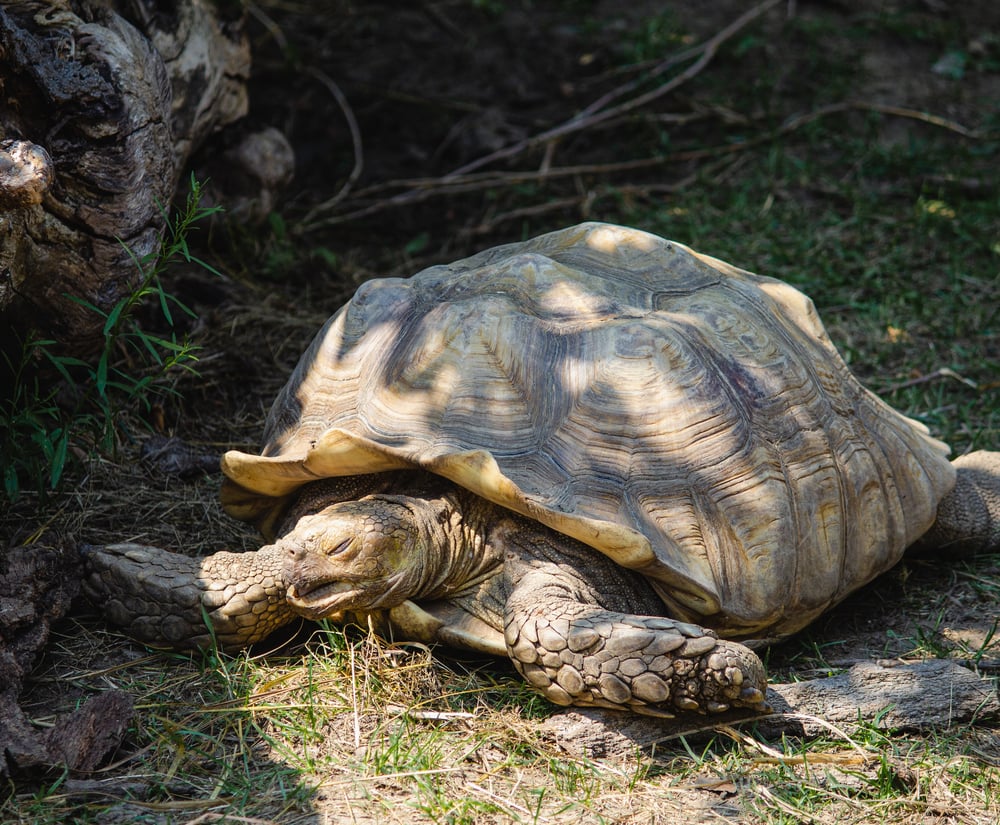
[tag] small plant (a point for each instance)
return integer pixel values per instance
(35, 441)
(133, 368)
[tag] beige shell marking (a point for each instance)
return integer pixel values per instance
(686, 418)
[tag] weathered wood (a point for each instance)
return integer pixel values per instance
(37, 585)
(82, 740)
(924, 695)
(914, 696)
(171, 456)
(26, 174)
(117, 95)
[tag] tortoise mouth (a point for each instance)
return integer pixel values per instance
(323, 599)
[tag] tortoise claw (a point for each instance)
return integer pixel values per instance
(751, 697)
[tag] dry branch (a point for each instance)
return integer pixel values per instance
(926, 695)
(591, 116)
(352, 125)
(610, 109)
(422, 189)
(595, 113)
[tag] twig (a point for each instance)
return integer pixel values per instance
(942, 372)
(273, 28)
(525, 212)
(424, 189)
(859, 757)
(421, 189)
(591, 115)
(354, 701)
(583, 201)
(352, 125)
(218, 816)
(488, 179)
(885, 109)
(641, 80)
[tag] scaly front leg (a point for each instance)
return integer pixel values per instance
(164, 598)
(577, 653)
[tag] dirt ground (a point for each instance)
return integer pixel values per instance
(436, 87)
(390, 108)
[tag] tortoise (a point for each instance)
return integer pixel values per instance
(619, 462)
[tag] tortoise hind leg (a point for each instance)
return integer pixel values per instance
(968, 518)
(566, 637)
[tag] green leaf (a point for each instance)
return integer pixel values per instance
(171, 345)
(417, 244)
(277, 223)
(58, 461)
(61, 362)
(206, 266)
(101, 376)
(149, 341)
(181, 305)
(126, 386)
(164, 306)
(326, 256)
(10, 482)
(76, 299)
(113, 316)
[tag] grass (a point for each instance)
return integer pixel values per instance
(349, 723)
(889, 223)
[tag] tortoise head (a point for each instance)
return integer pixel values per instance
(354, 556)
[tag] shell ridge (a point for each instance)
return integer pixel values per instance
(800, 406)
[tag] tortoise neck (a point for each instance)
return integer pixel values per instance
(453, 530)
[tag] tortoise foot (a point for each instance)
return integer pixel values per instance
(638, 663)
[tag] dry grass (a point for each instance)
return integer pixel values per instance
(351, 729)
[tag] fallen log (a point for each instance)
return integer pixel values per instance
(913, 696)
(37, 586)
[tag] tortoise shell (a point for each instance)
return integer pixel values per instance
(688, 419)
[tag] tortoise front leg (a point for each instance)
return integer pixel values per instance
(170, 600)
(576, 651)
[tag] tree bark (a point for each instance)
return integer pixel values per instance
(102, 105)
(37, 586)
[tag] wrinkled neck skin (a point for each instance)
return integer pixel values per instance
(451, 551)
(377, 551)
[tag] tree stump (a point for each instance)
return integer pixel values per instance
(102, 105)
